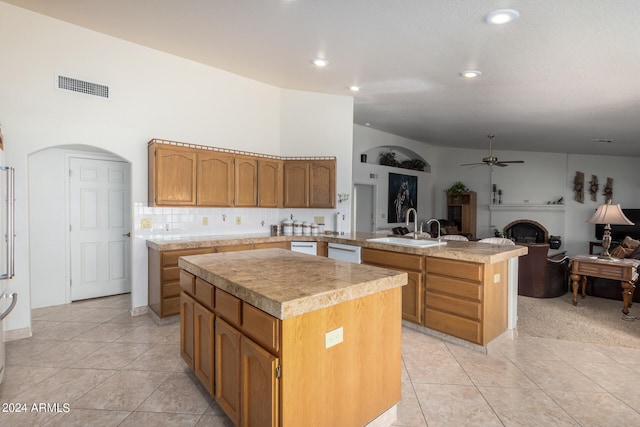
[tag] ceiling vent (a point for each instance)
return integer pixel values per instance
(81, 86)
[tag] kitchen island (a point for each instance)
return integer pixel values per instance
(286, 339)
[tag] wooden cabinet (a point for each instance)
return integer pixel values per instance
(260, 385)
(465, 299)
(203, 358)
(164, 279)
(187, 175)
(233, 349)
(461, 209)
(310, 183)
(413, 265)
(246, 181)
(228, 370)
(215, 178)
(269, 183)
(322, 184)
(172, 176)
(296, 184)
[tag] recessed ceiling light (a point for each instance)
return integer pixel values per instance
(470, 74)
(501, 16)
(320, 62)
(354, 88)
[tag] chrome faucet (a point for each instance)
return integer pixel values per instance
(415, 221)
(438, 222)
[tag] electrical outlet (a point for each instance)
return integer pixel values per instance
(496, 278)
(318, 219)
(332, 338)
(238, 220)
(146, 223)
(205, 220)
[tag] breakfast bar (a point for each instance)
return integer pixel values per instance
(280, 338)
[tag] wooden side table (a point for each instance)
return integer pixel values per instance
(624, 270)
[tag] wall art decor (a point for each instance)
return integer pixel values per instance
(578, 187)
(403, 194)
(593, 187)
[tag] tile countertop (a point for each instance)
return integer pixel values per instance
(287, 284)
(464, 251)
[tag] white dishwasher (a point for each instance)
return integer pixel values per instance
(348, 253)
(310, 248)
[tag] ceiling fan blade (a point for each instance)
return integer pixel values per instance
(473, 164)
(511, 161)
(501, 164)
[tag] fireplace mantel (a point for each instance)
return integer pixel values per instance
(521, 207)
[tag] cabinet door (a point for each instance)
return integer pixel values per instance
(269, 183)
(215, 178)
(227, 370)
(246, 181)
(412, 298)
(322, 184)
(260, 386)
(296, 184)
(203, 361)
(172, 176)
(186, 328)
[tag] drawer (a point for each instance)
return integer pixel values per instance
(261, 327)
(267, 245)
(188, 282)
(171, 306)
(204, 293)
(393, 259)
(455, 268)
(170, 258)
(170, 274)
(228, 307)
(170, 289)
(452, 286)
(468, 309)
(465, 329)
(233, 248)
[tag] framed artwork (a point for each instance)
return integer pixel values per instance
(403, 194)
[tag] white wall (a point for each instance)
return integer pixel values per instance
(367, 140)
(152, 95)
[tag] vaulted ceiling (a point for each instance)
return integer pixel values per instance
(562, 75)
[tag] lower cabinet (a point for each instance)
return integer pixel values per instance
(413, 265)
(241, 375)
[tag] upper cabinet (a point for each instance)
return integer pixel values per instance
(310, 183)
(269, 183)
(172, 176)
(215, 178)
(185, 175)
(322, 184)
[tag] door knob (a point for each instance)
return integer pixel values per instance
(127, 235)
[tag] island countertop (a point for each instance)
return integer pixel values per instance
(463, 251)
(287, 284)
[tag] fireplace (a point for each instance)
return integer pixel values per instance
(526, 231)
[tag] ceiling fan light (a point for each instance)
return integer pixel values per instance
(501, 16)
(320, 62)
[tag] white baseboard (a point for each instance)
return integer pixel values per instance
(17, 334)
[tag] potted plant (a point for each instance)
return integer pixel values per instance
(388, 159)
(456, 189)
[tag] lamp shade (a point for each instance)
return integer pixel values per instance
(609, 214)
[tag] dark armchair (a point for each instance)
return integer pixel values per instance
(540, 276)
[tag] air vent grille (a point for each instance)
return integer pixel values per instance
(81, 86)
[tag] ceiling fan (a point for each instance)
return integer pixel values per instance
(491, 160)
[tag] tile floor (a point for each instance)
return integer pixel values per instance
(116, 370)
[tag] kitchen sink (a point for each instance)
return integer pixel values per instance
(402, 241)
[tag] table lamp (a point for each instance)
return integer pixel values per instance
(608, 214)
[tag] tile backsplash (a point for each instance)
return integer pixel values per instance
(153, 222)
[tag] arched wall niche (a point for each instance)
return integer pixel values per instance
(402, 154)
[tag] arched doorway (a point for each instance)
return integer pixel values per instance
(50, 209)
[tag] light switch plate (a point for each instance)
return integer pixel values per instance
(496, 278)
(205, 220)
(146, 223)
(238, 220)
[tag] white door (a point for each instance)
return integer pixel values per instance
(99, 228)
(364, 205)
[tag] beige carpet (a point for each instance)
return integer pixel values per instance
(593, 320)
